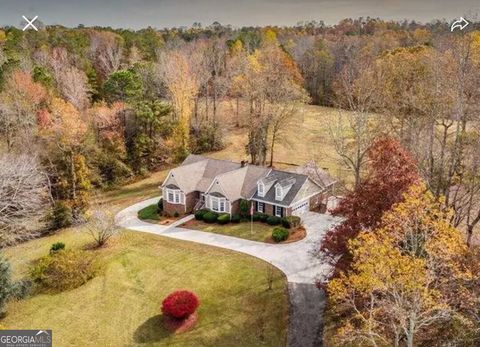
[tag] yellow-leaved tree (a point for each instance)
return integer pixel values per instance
(402, 286)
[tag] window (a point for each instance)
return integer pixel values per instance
(175, 196)
(278, 211)
(261, 189)
(278, 193)
(218, 204)
(260, 207)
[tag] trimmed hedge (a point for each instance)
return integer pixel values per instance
(223, 218)
(290, 222)
(200, 213)
(210, 217)
(274, 220)
(260, 217)
(160, 205)
(180, 304)
(280, 234)
(236, 218)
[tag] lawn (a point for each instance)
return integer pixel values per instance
(260, 231)
(121, 306)
(149, 213)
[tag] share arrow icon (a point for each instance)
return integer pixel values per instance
(461, 24)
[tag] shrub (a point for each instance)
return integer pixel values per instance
(8, 288)
(291, 222)
(280, 234)
(210, 217)
(176, 214)
(223, 218)
(60, 217)
(57, 246)
(244, 208)
(160, 205)
(180, 304)
(235, 218)
(64, 270)
(200, 213)
(149, 213)
(260, 217)
(274, 220)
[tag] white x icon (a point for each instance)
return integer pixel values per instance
(30, 23)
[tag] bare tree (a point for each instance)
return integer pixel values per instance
(106, 49)
(100, 223)
(24, 194)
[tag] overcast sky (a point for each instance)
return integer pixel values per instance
(167, 13)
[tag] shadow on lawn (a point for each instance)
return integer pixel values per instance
(151, 330)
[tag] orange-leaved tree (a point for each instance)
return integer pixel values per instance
(400, 288)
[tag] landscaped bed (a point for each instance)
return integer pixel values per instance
(245, 229)
(152, 213)
(121, 305)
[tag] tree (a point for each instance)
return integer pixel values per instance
(123, 85)
(9, 289)
(106, 49)
(23, 193)
(391, 172)
(100, 223)
(19, 102)
(182, 86)
(399, 286)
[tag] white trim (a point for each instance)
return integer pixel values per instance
(219, 201)
(262, 193)
(177, 196)
(277, 189)
(281, 210)
(263, 207)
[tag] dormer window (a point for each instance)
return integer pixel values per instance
(278, 192)
(261, 189)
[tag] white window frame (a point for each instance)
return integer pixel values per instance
(175, 196)
(276, 210)
(278, 193)
(221, 204)
(261, 210)
(261, 189)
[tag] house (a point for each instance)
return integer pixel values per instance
(220, 185)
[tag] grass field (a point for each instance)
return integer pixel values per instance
(307, 140)
(260, 232)
(121, 306)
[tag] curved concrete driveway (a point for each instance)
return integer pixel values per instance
(296, 260)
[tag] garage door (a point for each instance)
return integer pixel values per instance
(300, 208)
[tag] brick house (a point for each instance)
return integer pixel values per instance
(220, 185)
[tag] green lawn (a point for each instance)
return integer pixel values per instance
(260, 232)
(121, 306)
(149, 213)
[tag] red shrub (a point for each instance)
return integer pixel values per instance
(180, 304)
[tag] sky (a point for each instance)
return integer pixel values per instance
(136, 14)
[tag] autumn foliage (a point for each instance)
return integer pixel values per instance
(391, 171)
(402, 284)
(180, 304)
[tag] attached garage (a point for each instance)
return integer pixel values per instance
(301, 207)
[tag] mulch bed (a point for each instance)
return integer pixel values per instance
(178, 326)
(294, 236)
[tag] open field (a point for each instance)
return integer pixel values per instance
(121, 306)
(307, 139)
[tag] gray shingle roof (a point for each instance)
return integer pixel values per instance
(292, 193)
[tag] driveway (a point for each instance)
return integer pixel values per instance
(296, 260)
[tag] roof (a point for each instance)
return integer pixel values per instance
(297, 181)
(316, 174)
(198, 173)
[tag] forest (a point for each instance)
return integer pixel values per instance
(89, 108)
